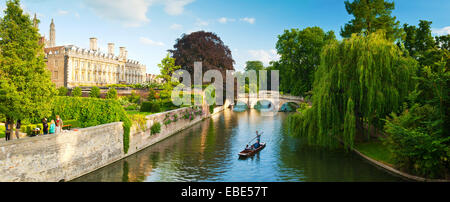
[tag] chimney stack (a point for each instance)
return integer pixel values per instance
(93, 44)
(122, 52)
(111, 48)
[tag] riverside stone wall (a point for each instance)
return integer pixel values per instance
(72, 154)
(63, 156)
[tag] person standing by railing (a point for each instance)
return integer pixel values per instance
(52, 127)
(18, 125)
(8, 129)
(59, 124)
(45, 126)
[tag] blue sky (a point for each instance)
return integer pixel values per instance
(148, 28)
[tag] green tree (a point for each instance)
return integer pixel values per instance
(95, 92)
(167, 69)
(418, 40)
(359, 81)
(254, 65)
(112, 94)
(418, 137)
(76, 92)
(62, 91)
(443, 42)
(26, 90)
(300, 56)
(370, 16)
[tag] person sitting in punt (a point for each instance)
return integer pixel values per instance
(256, 145)
(248, 148)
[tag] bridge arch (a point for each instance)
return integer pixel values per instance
(289, 106)
(263, 103)
(240, 106)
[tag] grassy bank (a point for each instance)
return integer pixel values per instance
(376, 150)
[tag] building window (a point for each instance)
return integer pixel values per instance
(55, 74)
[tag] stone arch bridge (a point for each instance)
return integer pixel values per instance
(273, 97)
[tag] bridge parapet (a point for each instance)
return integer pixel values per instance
(272, 96)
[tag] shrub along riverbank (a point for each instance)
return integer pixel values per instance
(92, 112)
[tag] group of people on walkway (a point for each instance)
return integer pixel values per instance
(9, 128)
(53, 128)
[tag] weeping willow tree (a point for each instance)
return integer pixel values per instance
(360, 80)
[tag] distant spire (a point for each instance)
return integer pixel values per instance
(52, 40)
(35, 22)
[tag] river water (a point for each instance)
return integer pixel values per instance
(208, 152)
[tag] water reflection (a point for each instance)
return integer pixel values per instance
(208, 152)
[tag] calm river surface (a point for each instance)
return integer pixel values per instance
(208, 152)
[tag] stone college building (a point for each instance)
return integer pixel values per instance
(71, 66)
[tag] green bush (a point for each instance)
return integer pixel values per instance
(211, 108)
(146, 106)
(76, 92)
(118, 86)
(150, 106)
(112, 94)
(95, 92)
(151, 94)
(134, 98)
(156, 107)
(28, 129)
(156, 128)
(167, 105)
(139, 119)
(2, 131)
(132, 107)
(92, 112)
(415, 145)
(63, 91)
(74, 123)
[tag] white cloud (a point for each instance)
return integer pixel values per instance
(201, 23)
(441, 31)
(150, 42)
(176, 7)
(249, 20)
(225, 20)
(264, 56)
(176, 26)
(131, 13)
(77, 15)
(63, 12)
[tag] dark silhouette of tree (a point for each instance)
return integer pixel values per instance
(205, 47)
